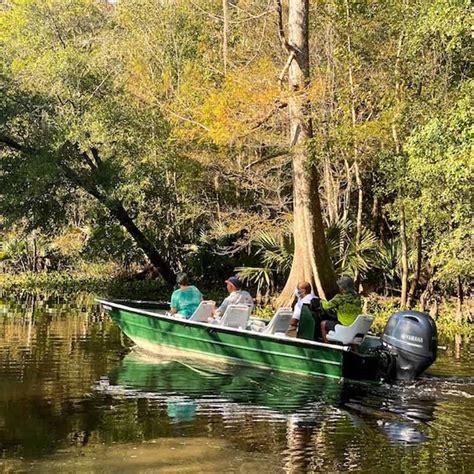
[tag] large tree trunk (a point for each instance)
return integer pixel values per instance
(311, 261)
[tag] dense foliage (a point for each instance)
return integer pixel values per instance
(137, 129)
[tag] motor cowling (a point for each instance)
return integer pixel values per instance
(411, 337)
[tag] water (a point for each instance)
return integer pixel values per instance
(75, 398)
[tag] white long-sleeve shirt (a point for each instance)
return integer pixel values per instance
(299, 305)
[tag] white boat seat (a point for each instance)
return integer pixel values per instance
(353, 334)
(278, 324)
(236, 316)
(203, 312)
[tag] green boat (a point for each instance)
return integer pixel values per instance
(150, 328)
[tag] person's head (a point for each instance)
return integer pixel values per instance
(303, 288)
(346, 284)
(182, 279)
(233, 284)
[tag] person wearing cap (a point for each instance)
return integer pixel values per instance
(186, 299)
(236, 296)
(347, 305)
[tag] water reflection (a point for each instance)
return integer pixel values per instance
(73, 397)
(304, 404)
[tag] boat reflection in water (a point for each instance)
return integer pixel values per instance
(177, 383)
(241, 397)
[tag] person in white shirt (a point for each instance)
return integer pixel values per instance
(236, 296)
(304, 294)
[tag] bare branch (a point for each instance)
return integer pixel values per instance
(96, 155)
(11, 143)
(278, 106)
(268, 157)
(253, 17)
(281, 30)
(202, 10)
(287, 66)
(186, 119)
(98, 87)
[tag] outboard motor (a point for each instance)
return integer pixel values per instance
(412, 340)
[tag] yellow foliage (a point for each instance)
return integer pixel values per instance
(71, 241)
(247, 97)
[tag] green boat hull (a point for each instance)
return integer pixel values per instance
(169, 336)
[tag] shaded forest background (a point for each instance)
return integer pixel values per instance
(150, 133)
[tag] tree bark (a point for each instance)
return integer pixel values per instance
(360, 203)
(416, 276)
(347, 192)
(225, 33)
(311, 261)
(403, 238)
(360, 191)
(117, 210)
(460, 300)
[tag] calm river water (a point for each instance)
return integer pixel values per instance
(74, 397)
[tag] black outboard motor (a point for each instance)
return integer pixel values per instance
(412, 340)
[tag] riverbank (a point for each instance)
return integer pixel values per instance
(99, 281)
(107, 282)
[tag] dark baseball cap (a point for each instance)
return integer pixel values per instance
(234, 281)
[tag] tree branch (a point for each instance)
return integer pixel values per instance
(287, 66)
(281, 30)
(268, 157)
(11, 143)
(278, 106)
(96, 156)
(186, 119)
(88, 160)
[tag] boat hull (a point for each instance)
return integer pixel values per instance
(170, 337)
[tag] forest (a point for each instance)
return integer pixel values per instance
(278, 140)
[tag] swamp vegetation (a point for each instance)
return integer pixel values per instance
(280, 140)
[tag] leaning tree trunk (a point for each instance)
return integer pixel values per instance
(311, 261)
(117, 210)
(87, 182)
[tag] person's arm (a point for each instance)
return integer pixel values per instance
(221, 309)
(174, 303)
(296, 314)
(330, 307)
(331, 304)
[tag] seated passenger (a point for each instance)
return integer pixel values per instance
(304, 295)
(186, 299)
(347, 305)
(236, 296)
